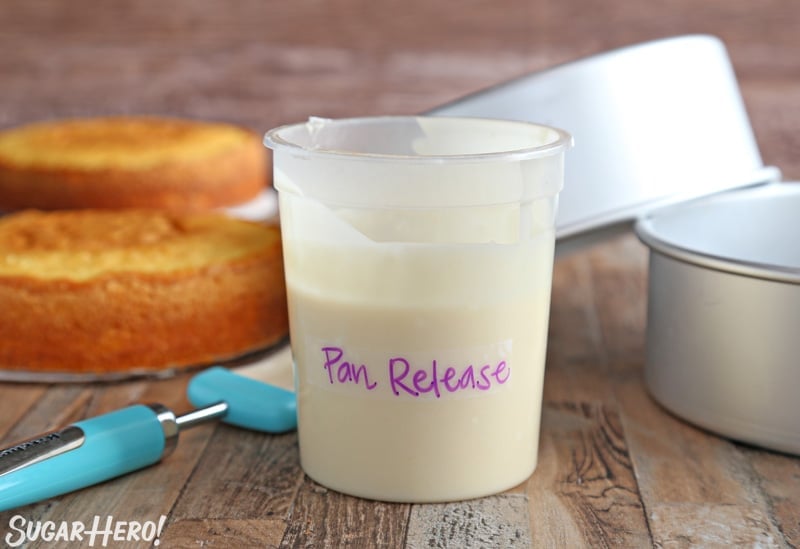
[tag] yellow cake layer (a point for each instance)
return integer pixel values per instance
(79, 245)
(133, 143)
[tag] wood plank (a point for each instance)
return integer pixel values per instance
(553, 523)
(619, 280)
(322, 518)
(57, 407)
(169, 392)
(675, 461)
(242, 475)
(706, 525)
(778, 476)
(584, 492)
(15, 401)
(493, 521)
(680, 469)
(224, 533)
(577, 367)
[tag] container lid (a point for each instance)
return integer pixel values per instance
(654, 124)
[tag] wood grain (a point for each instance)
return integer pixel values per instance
(326, 519)
(224, 533)
(778, 477)
(243, 475)
(680, 469)
(592, 480)
(494, 521)
(16, 401)
(584, 492)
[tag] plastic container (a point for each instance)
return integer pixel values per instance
(418, 255)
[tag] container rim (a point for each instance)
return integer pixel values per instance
(753, 269)
(562, 141)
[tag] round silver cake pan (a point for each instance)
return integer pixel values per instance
(657, 127)
(654, 124)
(723, 321)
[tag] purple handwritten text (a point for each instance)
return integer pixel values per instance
(418, 381)
(342, 371)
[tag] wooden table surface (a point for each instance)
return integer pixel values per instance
(614, 469)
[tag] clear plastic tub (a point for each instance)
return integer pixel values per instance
(418, 255)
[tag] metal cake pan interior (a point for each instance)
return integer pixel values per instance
(724, 313)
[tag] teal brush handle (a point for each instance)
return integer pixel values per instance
(111, 445)
(252, 404)
(107, 446)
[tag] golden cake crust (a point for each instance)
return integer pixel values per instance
(130, 162)
(98, 292)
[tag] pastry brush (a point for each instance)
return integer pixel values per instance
(110, 445)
